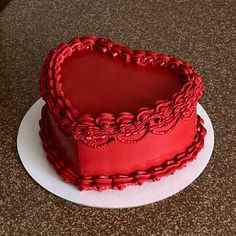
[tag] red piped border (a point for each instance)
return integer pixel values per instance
(126, 127)
(118, 181)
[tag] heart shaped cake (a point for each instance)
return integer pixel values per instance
(115, 116)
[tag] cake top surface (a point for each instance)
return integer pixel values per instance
(96, 83)
(97, 89)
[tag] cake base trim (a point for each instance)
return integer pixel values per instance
(118, 181)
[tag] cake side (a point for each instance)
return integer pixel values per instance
(153, 150)
(118, 181)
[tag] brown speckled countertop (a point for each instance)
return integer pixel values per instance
(202, 32)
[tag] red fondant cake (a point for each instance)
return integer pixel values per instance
(116, 116)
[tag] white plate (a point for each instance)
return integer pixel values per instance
(34, 160)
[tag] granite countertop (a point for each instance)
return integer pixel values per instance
(202, 32)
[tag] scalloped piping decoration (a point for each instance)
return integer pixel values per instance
(126, 127)
(119, 181)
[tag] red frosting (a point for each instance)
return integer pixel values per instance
(100, 92)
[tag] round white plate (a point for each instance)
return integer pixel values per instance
(35, 162)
